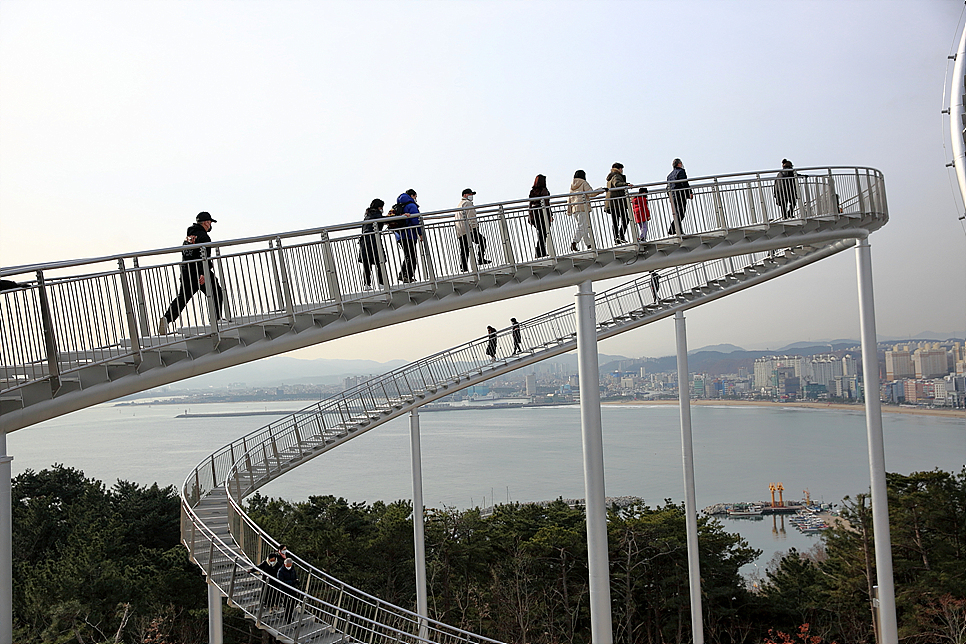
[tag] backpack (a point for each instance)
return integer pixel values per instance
(397, 210)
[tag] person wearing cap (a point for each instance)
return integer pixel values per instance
(786, 191)
(517, 336)
(193, 273)
(677, 183)
(616, 203)
(468, 231)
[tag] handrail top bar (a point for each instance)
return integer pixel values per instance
(436, 214)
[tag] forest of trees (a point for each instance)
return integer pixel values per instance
(96, 564)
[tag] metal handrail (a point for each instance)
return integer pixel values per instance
(656, 186)
(61, 324)
(361, 405)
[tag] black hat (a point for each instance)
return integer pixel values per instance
(203, 216)
(468, 191)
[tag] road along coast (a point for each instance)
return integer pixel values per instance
(890, 409)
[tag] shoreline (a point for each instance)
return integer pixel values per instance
(886, 409)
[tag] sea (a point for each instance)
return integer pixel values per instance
(478, 457)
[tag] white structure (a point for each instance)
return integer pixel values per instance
(302, 288)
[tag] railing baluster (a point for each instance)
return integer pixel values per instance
(331, 274)
(508, 256)
(50, 336)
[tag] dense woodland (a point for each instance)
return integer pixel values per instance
(103, 564)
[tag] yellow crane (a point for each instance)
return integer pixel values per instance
(772, 488)
(781, 496)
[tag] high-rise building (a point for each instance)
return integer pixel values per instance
(850, 366)
(899, 365)
(823, 370)
(930, 363)
(531, 384)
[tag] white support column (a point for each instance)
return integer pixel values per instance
(687, 454)
(888, 631)
(601, 630)
(6, 546)
(419, 535)
(214, 615)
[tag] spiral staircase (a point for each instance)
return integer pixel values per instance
(78, 333)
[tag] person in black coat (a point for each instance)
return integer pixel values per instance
(786, 190)
(289, 576)
(369, 243)
(269, 568)
(677, 183)
(540, 216)
(491, 343)
(193, 273)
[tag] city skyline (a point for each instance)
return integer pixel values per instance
(121, 121)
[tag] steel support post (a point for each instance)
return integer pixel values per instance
(419, 535)
(214, 615)
(687, 454)
(888, 631)
(6, 546)
(600, 609)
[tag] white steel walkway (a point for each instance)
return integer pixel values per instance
(227, 544)
(84, 332)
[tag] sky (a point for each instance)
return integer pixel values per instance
(119, 121)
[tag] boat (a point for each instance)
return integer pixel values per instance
(744, 510)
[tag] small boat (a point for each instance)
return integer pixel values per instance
(744, 510)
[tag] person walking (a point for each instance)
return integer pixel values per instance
(289, 576)
(491, 343)
(642, 213)
(786, 189)
(540, 216)
(408, 234)
(468, 231)
(616, 203)
(193, 273)
(517, 336)
(680, 190)
(655, 285)
(269, 568)
(578, 206)
(370, 243)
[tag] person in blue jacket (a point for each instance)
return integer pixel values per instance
(408, 235)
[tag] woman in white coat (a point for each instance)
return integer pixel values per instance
(578, 206)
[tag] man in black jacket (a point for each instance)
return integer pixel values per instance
(677, 183)
(193, 273)
(289, 576)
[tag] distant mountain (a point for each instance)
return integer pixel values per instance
(721, 348)
(819, 347)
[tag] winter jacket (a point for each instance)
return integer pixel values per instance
(579, 203)
(288, 576)
(786, 189)
(642, 212)
(413, 229)
(678, 182)
(196, 235)
(466, 217)
(539, 207)
(615, 180)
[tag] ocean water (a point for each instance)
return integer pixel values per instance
(473, 457)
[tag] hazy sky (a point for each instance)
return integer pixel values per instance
(119, 121)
